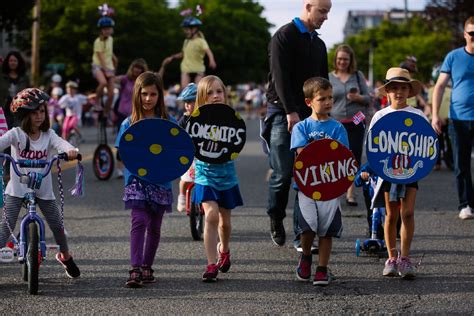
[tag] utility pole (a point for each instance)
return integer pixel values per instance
(406, 11)
(35, 43)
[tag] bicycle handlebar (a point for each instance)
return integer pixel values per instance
(41, 163)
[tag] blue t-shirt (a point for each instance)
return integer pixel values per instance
(309, 129)
(459, 64)
(128, 176)
(218, 176)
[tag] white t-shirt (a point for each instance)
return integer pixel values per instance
(379, 114)
(42, 148)
(73, 104)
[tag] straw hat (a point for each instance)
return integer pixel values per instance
(397, 74)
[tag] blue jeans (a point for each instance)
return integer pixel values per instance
(462, 135)
(281, 162)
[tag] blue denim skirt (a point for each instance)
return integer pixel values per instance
(228, 199)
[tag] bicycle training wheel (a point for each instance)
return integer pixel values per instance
(196, 221)
(103, 162)
(32, 258)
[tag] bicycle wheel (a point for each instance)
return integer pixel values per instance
(196, 221)
(103, 162)
(32, 258)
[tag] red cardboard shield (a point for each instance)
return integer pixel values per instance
(325, 169)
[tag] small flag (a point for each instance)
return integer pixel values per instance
(3, 123)
(198, 10)
(358, 118)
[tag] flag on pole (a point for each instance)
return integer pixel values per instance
(358, 118)
(3, 123)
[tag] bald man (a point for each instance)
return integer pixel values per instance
(296, 54)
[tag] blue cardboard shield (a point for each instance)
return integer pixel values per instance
(402, 147)
(156, 150)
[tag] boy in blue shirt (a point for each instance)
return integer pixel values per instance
(317, 217)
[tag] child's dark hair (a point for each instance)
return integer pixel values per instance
(314, 85)
(148, 78)
(25, 120)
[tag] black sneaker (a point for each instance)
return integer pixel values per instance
(277, 231)
(135, 279)
(72, 271)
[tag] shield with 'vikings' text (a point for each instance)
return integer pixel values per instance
(324, 169)
(156, 150)
(218, 133)
(402, 147)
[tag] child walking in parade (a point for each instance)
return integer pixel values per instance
(34, 139)
(399, 200)
(148, 201)
(321, 218)
(188, 97)
(217, 189)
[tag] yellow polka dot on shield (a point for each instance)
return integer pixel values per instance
(156, 149)
(298, 165)
(184, 160)
(142, 172)
(128, 137)
(316, 195)
(174, 131)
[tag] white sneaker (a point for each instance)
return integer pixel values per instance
(466, 213)
(181, 203)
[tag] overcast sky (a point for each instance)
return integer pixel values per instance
(280, 12)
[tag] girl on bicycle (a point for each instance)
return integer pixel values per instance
(104, 62)
(217, 189)
(148, 201)
(195, 47)
(72, 102)
(34, 139)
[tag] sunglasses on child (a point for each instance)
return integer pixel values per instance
(471, 33)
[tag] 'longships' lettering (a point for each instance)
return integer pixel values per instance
(215, 133)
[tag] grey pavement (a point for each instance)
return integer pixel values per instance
(262, 277)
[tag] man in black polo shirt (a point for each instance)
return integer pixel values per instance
(296, 53)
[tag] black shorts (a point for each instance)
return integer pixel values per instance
(386, 186)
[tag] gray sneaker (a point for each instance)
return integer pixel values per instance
(390, 268)
(405, 268)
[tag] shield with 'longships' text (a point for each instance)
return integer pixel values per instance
(218, 133)
(324, 169)
(402, 147)
(156, 150)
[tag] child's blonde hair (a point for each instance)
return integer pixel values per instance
(314, 85)
(204, 85)
(147, 78)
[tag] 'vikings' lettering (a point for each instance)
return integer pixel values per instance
(33, 154)
(403, 143)
(327, 172)
(215, 133)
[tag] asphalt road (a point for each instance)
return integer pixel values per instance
(262, 277)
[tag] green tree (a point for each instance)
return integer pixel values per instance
(391, 43)
(16, 15)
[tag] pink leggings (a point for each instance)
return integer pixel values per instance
(69, 123)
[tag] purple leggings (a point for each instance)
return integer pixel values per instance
(143, 221)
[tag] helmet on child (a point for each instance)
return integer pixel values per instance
(28, 99)
(191, 21)
(105, 21)
(188, 93)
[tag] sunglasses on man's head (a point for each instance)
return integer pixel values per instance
(471, 33)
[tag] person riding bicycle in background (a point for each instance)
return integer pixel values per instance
(104, 62)
(195, 47)
(72, 102)
(188, 97)
(34, 140)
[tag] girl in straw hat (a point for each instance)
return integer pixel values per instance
(398, 88)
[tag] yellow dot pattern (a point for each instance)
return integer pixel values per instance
(408, 122)
(376, 140)
(350, 178)
(234, 155)
(299, 165)
(156, 149)
(316, 195)
(431, 151)
(174, 131)
(128, 137)
(183, 160)
(142, 172)
(196, 112)
(334, 145)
